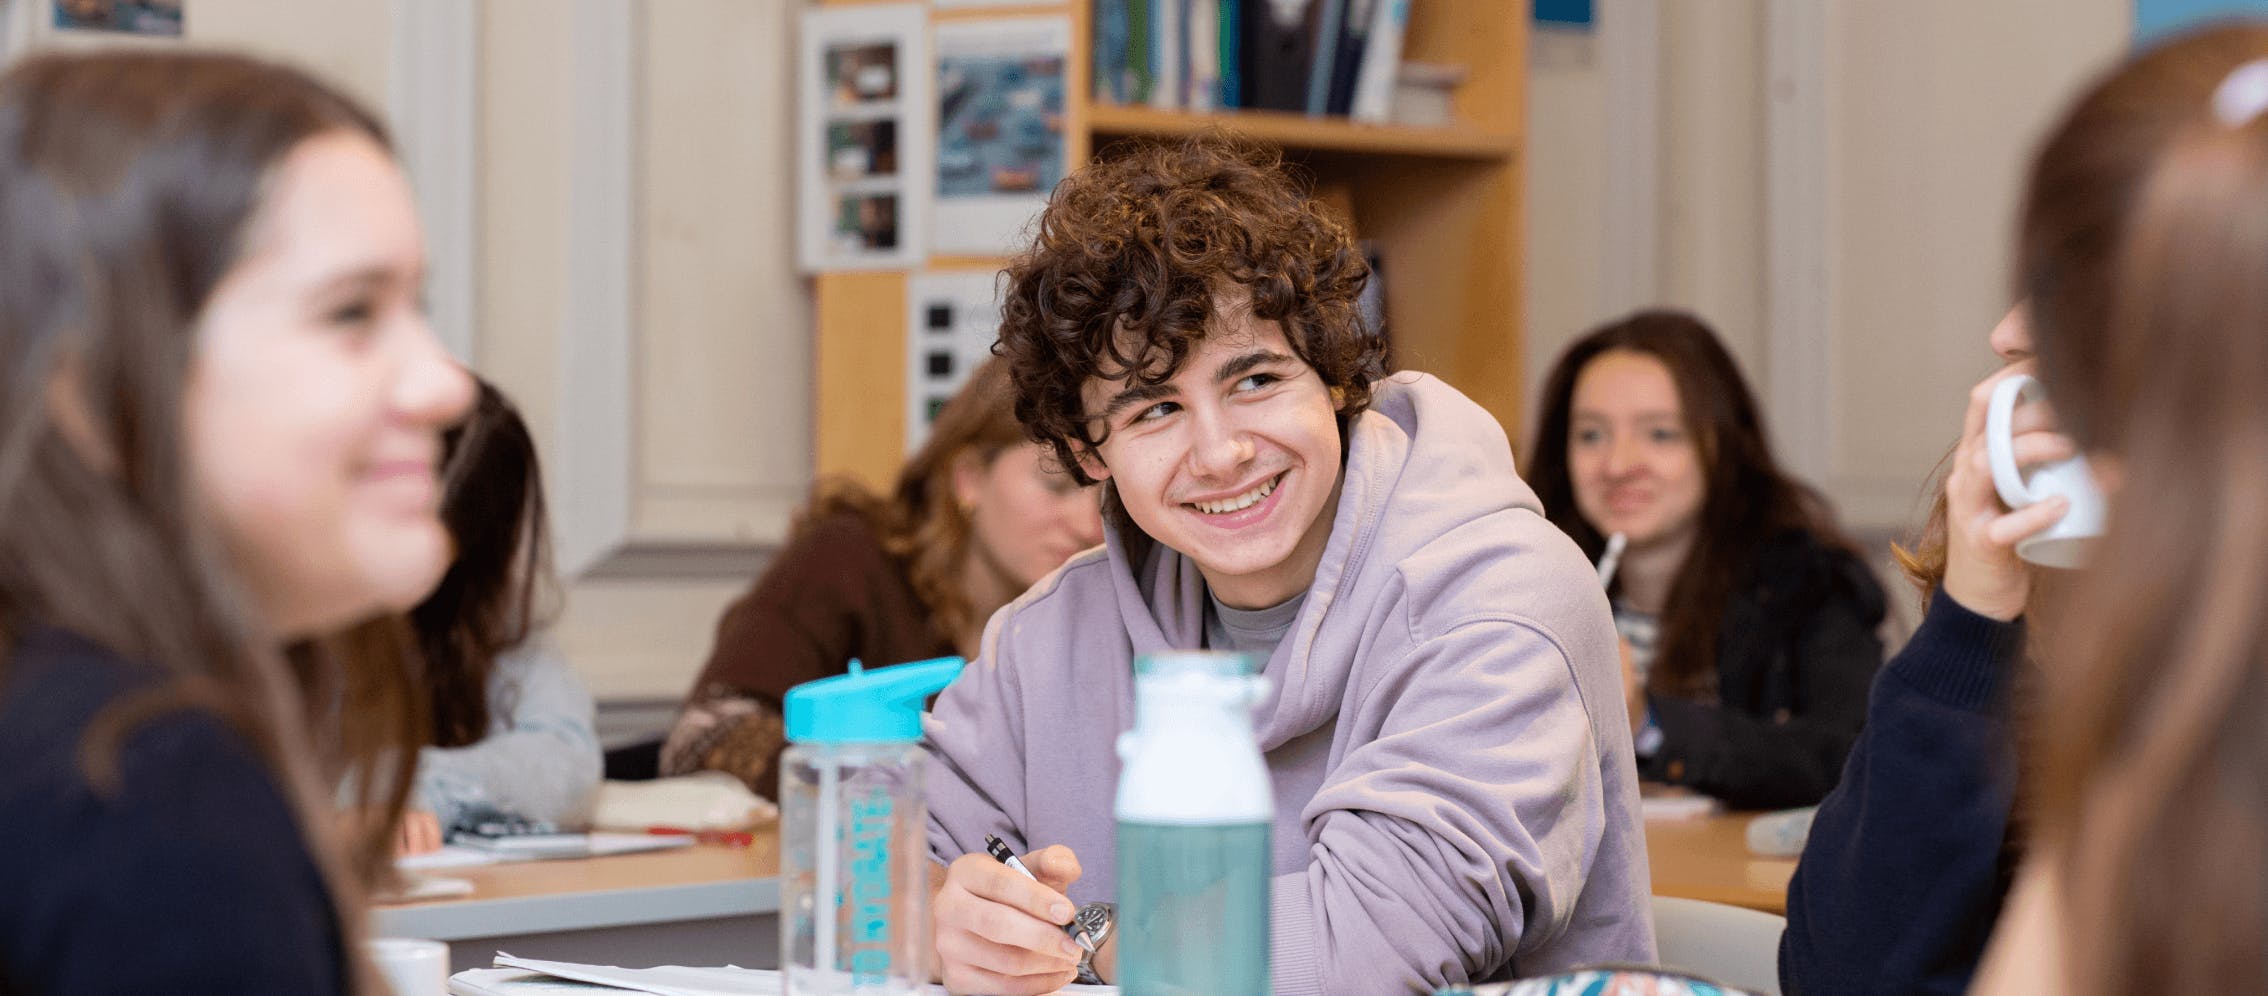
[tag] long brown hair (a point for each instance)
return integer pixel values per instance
(921, 522)
(1747, 498)
(2143, 248)
(127, 183)
(490, 599)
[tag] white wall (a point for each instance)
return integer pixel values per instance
(1927, 112)
(344, 40)
(714, 406)
(1938, 105)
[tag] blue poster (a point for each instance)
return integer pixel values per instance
(1564, 13)
(2154, 19)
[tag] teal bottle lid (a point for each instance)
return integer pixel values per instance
(882, 705)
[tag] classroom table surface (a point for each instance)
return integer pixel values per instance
(1703, 857)
(1707, 857)
(694, 882)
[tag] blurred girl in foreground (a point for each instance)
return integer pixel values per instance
(220, 427)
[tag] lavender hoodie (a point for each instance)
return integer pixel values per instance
(1455, 794)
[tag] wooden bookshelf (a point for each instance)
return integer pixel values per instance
(1300, 133)
(1442, 203)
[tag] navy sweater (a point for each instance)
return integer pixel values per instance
(1796, 649)
(191, 877)
(1905, 869)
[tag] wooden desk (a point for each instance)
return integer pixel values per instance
(700, 905)
(1707, 858)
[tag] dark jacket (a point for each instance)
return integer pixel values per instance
(1795, 653)
(187, 875)
(1906, 866)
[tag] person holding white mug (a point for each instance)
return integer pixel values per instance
(2143, 250)
(1907, 861)
(2065, 542)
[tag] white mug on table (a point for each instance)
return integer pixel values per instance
(412, 967)
(2064, 544)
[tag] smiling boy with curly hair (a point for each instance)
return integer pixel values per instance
(1455, 793)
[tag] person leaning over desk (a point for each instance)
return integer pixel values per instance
(222, 421)
(976, 516)
(1747, 621)
(1455, 795)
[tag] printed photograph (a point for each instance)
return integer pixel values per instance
(1000, 124)
(862, 73)
(156, 18)
(857, 150)
(866, 223)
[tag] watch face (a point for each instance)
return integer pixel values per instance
(1094, 918)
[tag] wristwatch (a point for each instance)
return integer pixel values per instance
(1091, 926)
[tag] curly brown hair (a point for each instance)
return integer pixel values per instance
(1132, 257)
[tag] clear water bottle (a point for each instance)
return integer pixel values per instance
(854, 854)
(1196, 814)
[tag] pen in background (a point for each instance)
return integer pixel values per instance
(729, 838)
(1611, 559)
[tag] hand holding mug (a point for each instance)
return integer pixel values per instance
(1982, 570)
(2065, 543)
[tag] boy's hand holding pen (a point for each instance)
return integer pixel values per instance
(999, 850)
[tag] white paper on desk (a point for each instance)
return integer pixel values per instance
(590, 845)
(514, 982)
(674, 980)
(415, 888)
(1678, 807)
(449, 856)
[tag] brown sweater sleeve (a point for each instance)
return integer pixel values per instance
(830, 595)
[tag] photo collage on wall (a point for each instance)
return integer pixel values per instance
(865, 115)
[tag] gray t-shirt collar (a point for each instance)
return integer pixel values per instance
(1253, 632)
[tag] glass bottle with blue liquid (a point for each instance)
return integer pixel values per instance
(1196, 815)
(854, 853)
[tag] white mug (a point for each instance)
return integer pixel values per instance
(2065, 543)
(412, 967)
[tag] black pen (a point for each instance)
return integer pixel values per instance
(999, 850)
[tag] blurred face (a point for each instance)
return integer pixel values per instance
(1637, 471)
(2012, 339)
(317, 396)
(1027, 519)
(1233, 461)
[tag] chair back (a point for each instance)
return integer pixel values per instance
(1728, 944)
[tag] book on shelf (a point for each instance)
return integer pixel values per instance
(1354, 36)
(1330, 26)
(1317, 57)
(1169, 54)
(1202, 27)
(1279, 48)
(1373, 97)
